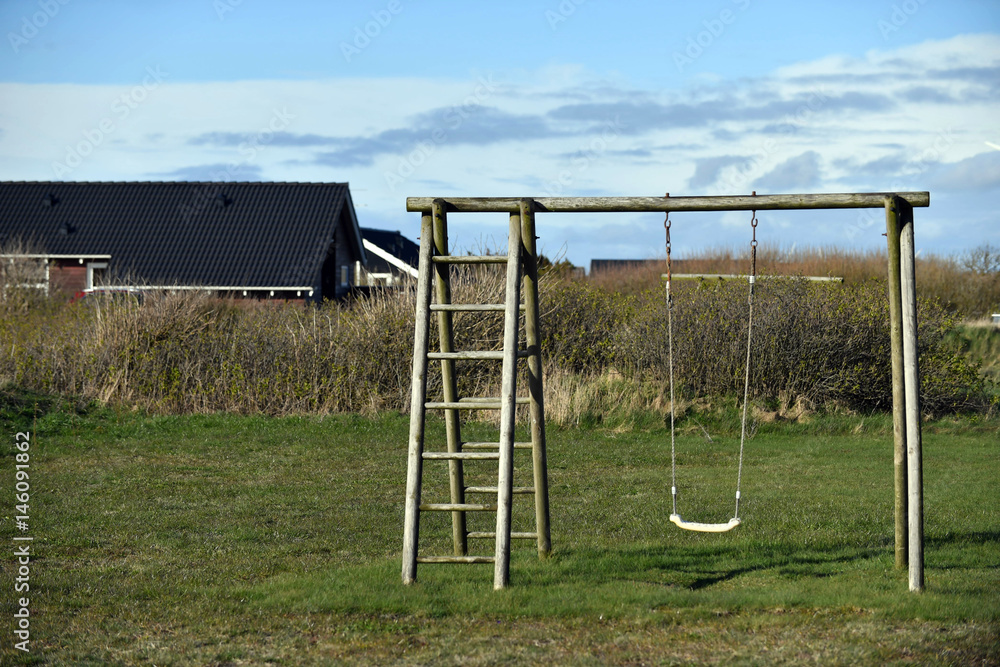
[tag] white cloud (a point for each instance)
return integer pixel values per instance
(979, 172)
(797, 174)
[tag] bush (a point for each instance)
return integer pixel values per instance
(821, 341)
(190, 352)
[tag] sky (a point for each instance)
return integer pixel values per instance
(554, 98)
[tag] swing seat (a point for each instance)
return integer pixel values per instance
(704, 527)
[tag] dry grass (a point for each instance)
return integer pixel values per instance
(967, 284)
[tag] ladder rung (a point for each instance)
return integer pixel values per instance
(461, 456)
(468, 354)
(469, 259)
(494, 445)
(456, 507)
(472, 307)
(476, 354)
(513, 536)
(493, 489)
(455, 559)
(474, 404)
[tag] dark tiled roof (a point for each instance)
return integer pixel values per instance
(600, 265)
(186, 233)
(393, 243)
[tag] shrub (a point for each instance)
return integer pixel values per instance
(191, 352)
(825, 342)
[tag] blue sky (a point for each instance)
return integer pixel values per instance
(567, 97)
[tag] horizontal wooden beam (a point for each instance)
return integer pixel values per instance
(743, 276)
(662, 204)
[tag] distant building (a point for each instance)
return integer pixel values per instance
(605, 265)
(254, 240)
(392, 259)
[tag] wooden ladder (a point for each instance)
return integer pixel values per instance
(435, 262)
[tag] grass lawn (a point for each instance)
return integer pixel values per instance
(244, 540)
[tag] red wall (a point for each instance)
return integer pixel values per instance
(67, 276)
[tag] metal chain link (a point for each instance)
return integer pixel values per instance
(746, 373)
(670, 362)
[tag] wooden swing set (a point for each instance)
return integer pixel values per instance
(522, 272)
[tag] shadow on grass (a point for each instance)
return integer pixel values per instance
(697, 568)
(587, 581)
(986, 537)
(26, 410)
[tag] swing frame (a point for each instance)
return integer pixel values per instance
(898, 206)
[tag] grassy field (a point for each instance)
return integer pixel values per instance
(246, 540)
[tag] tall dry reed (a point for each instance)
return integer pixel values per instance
(967, 284)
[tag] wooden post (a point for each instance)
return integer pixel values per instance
(892, 227)
(911, 373)
(508, 395)
(418, 396)
(532, 337)
(449, 387)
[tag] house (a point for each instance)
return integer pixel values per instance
(598, 266)
(392, 258)
(254, 240)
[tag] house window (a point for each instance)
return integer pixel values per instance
(345, 276)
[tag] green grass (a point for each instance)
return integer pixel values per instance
(246, 540)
